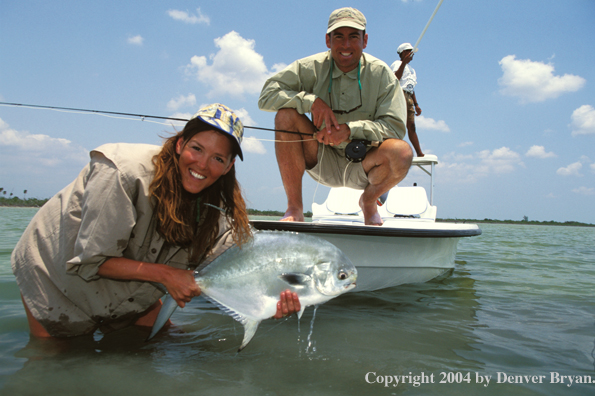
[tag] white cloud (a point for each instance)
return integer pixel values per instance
(584, 190)
(502, 160)
(40, 150)
(251, 145)
(184, 16)
(428, 123)
(535, 81)
(236, 69)
(592, 166)
(465, 144)
(583, 121)
(181, 101)
(571, 170)
(459, 168)
(539, 152)
(136, 40)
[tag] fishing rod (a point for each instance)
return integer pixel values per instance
(426, 28)
(142, 116)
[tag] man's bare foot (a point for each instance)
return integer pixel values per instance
(371, 215)
(293, 215)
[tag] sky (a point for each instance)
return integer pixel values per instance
(506, 88)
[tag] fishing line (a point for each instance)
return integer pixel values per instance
(143, 117)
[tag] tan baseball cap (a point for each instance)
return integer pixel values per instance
(347, 16)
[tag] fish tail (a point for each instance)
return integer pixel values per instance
(250, 327)
(166, 311)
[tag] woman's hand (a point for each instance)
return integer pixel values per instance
(181, 285)
(288, 304)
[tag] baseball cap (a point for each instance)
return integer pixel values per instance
(225, 120)
(347, 16)
(405, 47)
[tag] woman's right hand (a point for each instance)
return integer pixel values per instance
(181, 285)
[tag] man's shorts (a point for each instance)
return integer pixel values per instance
(335, 170)
(410, 107)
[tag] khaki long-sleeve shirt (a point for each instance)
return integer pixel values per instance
(382, 114)
(106, 212)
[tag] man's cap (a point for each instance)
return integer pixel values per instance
(405, 47)
(225, 120)
(346, 17)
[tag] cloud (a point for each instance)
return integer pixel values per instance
(465, 144)
(539, 152)
(502, 160)
(584, 190)
(41, 151)
(571, 170)
(535, 81)
(583, 121)
(251, 145)
(592, 166)
(469, 168)
(236, 69)
(181, 101)
(187, 18)
(136, 40)
(428, 123)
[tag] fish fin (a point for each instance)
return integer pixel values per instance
(295, 279)
(301, 312)
(166, 311)
(250, 327)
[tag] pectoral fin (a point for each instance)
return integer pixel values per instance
(250, 327)
(166, 311)
(295, 279)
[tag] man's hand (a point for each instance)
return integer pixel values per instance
(288, 304)
(323, 114)
(335, 136)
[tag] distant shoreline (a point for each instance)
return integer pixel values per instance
(37, 203)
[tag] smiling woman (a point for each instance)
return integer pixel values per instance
(136, 215)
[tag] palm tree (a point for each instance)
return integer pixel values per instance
(25, 193)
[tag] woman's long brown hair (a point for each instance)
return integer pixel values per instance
(176, 209)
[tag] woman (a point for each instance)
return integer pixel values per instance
(136, 215)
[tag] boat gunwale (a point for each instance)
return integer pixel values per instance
(362, 230)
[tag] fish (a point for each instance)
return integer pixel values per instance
(246, 282)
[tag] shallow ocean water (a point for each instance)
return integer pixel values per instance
(519, 301)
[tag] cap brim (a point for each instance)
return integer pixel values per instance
(341, 24)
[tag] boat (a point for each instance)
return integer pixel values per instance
(410, 247)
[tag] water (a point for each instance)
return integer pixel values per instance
(519, 301)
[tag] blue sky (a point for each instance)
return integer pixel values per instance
(506, 88)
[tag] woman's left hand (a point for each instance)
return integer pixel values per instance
(288, 304)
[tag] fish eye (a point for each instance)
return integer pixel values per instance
(342, 275)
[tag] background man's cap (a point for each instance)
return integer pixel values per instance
(405, 47)
(349, 17)
(225, 120)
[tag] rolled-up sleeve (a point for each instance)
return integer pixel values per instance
(108, 216)
(289, 88)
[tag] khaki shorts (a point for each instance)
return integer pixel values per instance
(410, 107)
(334, 170)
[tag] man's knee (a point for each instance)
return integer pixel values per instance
(286, 117)
(398, 152)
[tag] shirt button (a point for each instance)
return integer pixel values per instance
(131, 299)
(114, 316)
(153, 250)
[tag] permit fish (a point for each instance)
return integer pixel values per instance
(246, 282)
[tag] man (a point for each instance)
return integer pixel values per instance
(362, 100)
(408, 80)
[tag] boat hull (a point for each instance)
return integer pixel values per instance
(388, 257)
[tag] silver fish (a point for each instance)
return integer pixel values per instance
(246, 282)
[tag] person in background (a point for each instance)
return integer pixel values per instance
(350, 95)
(408, 80)
(137, 214)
